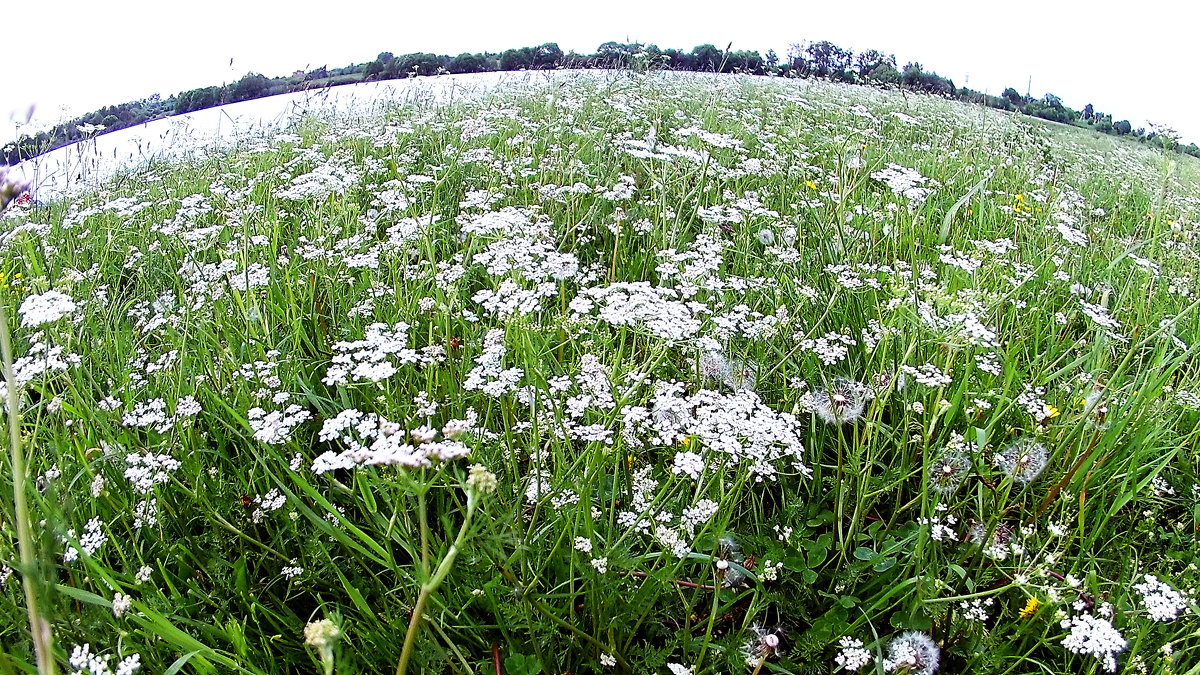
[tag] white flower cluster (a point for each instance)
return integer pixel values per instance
(941, 525)
(41, 359)
(733, 429)
(511, 220)
(642, 516)
(121, 604)
(526, 260)
(1162, 602)
(371, 439)
(145, 471)
(377, 356)
(489, 375)
(272, 501)
(47, 307)
(90, 541)
(853, 656)
(1099, 315)
(654, 308)
(84, 662)
(145, 513)
(153, 414)
(976, 609)
(905, 182)
(322, 181)
(1092, 636)
(276, 427)
(927, 374)
(832, 348)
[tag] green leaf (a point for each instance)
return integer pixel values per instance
(180, 663)
(885, 564)
(864, 553)
(519, 664)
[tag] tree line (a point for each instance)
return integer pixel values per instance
(809, 60)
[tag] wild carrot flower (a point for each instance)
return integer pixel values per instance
(1093, 636)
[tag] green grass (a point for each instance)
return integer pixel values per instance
(685, 271)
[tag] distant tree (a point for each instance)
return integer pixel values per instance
(1089, 112)
(617, 54)
(468, 63)
(1052, 100)
(828, 60)
(1014, 97)
(547, 56)
(516, 59)
(745, 62)
(772, 59)
(871, 59)
(706, 57)
(1123, 127)
(678, 60)
(252, 85)
(884, 74)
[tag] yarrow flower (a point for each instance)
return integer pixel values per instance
(84, 662)
(47, 307)
(913, 651)
(853, 656)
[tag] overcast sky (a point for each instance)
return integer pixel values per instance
(1128, 60)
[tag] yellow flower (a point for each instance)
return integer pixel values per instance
(812, 185)
(1030, 608)
(1052, 412)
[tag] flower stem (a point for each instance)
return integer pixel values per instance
(430, 587)
(38, 627)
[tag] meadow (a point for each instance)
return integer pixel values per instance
(647, 374)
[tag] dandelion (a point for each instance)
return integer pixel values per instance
(914, 652)
(1023, 460)
(999, 545)
(843, 402)
(948, 472)
(765, 644)
(1030, 608)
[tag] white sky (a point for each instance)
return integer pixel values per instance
(1128, 60)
